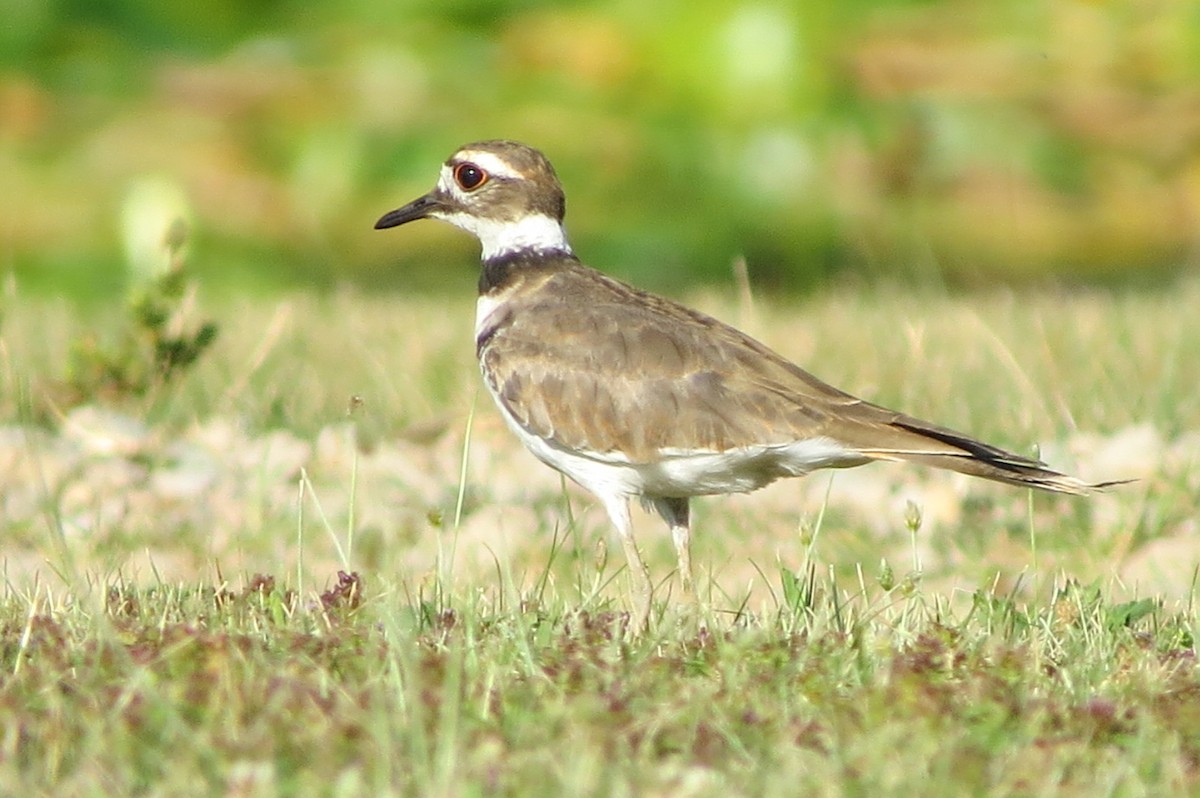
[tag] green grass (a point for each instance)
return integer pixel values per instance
(976, 641)
(187, 690)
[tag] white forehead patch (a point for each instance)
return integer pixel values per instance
(446, 181)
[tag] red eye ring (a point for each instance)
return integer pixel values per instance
(469, 176)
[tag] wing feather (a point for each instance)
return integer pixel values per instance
(598, 366)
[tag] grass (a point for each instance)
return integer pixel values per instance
(892, 632)
(180, 690)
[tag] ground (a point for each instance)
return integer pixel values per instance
(175, 621)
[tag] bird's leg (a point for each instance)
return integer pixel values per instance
(675, 512)
(618, 511)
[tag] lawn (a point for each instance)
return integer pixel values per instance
(315, 563)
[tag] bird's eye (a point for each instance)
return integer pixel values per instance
(469, 176)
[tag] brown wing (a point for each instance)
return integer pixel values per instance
(635, 376)
(578, 362)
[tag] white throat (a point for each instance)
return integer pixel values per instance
(533, 233)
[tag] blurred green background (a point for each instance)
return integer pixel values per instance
(964, 142)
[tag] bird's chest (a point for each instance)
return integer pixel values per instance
(492, 310)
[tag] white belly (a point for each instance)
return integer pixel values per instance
(678, 474)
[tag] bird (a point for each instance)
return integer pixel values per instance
(635, 396)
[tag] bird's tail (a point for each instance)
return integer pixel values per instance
(917, 441)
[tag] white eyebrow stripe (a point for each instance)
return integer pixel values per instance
(488, 162)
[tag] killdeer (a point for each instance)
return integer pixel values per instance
(634, 396)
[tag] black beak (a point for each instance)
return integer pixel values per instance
(419, 208)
